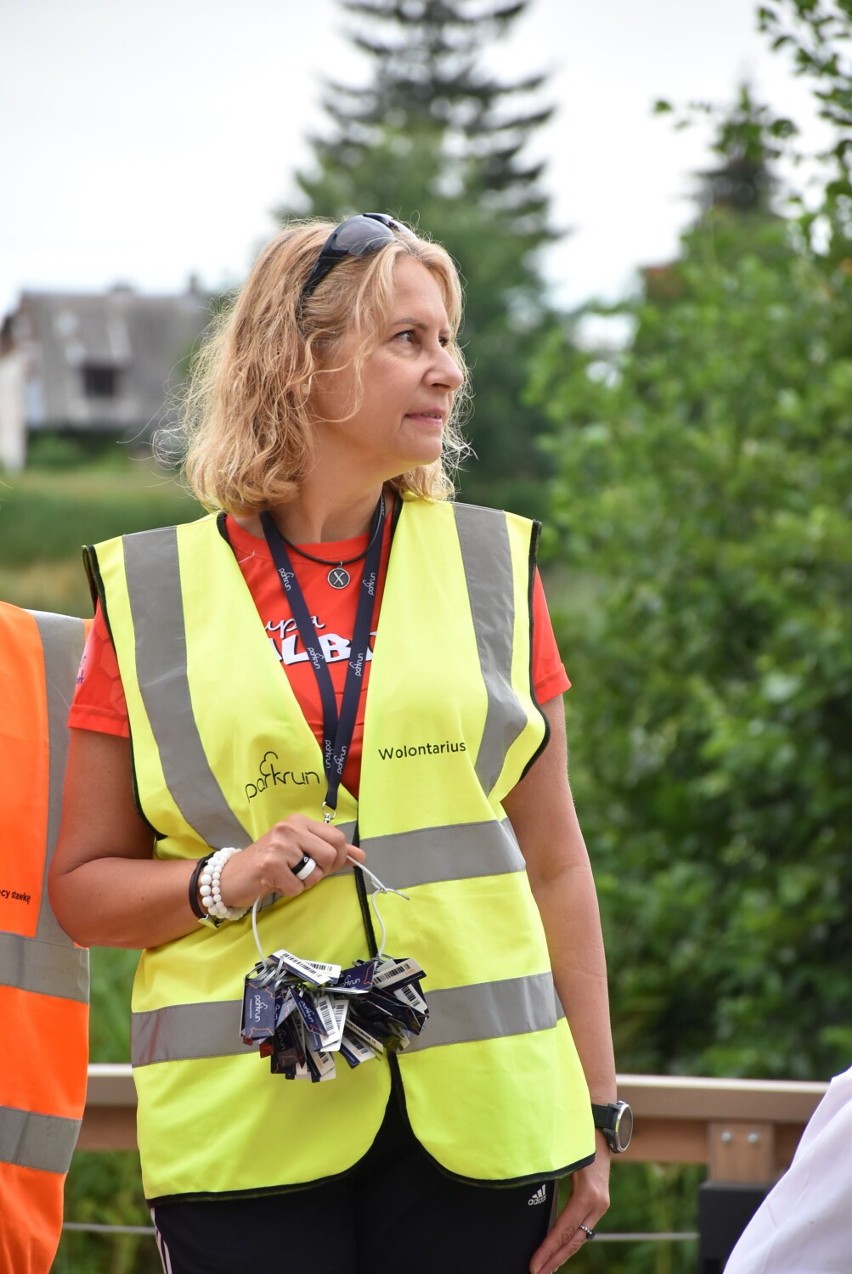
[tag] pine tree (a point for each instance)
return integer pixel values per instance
(438, 141)
(425, 56)
(743, 181)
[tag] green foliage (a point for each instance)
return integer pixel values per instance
(749, 137)
(646, 1199)
(46, 516)
(79, 448)
(106, 1189)
(42, 512)
(425, 56)
(436, 141)
(112, 972)
(817, 34)
(702, 503)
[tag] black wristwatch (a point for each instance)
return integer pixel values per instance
(616, 1123)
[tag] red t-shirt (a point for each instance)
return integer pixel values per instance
(99, 702)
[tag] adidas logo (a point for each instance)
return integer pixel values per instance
(540, 1196)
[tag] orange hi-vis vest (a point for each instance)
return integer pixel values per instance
(44, 977)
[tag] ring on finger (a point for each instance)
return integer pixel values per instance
(303, 867)
(590, 1234)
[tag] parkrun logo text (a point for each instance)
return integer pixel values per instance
(269, 776)
(421, 749)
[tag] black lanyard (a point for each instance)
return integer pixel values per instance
(337, 728)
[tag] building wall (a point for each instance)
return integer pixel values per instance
(93, 363)
(13, 426)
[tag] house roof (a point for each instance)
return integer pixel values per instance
(76, 344)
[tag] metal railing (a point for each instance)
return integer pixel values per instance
(743, 1130)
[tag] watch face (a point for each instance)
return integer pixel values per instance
(623, 1127)
(615, 1121)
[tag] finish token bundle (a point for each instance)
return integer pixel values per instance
(302, 1012)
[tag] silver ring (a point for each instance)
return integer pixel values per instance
(303, 867)
(590, 1234)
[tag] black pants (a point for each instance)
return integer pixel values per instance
(393, 1211)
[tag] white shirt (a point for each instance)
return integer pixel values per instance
(804, 1225)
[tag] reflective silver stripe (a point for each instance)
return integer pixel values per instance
(46, 968)
(484, 537)
(515, 1006)
(156, 603)
(429, 855)
(62, 644)
(186, 1031)
(45, 1142)
(487, 1010)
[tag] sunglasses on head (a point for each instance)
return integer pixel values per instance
(358, 236)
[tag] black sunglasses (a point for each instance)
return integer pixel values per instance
(355, 237)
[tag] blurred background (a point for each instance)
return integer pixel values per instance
(651, 207)
(148, 145)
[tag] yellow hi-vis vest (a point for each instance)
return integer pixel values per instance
(493, 1087)
(44, 977)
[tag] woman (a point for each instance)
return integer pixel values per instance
(322, 428)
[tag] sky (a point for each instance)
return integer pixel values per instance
(144, 143)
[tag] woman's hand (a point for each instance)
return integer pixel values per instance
(267, 866)
(587, 1203)
(107, 889)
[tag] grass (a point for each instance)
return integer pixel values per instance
(47, 515)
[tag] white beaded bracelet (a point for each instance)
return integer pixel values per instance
(209, 889)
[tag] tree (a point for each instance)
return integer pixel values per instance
(818, 34)
(743, 181)
(702, 507)
(436, 140)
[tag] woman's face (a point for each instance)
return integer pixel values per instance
(407, 386)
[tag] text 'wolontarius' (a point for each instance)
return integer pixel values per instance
(421, 749)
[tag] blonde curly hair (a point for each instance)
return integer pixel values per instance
(246, 431)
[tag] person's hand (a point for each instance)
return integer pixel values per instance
(587, 1203)
(268, 865)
